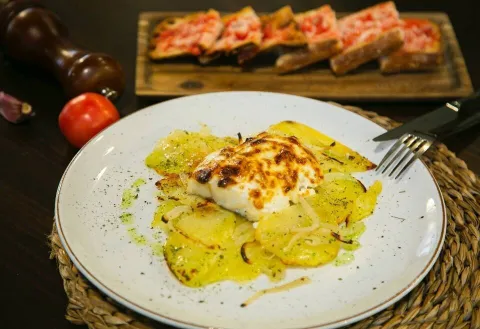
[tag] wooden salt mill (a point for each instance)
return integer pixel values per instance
(32, 34)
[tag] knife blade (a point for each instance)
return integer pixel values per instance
(439, 120)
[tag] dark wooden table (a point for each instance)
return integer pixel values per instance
(33, 156)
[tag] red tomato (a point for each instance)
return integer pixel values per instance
(85, 116)
(241, 35)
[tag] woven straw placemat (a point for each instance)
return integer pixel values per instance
(448, 297)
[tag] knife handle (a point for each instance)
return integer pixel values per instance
(468, 116)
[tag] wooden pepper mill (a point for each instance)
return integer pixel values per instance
(32, 34)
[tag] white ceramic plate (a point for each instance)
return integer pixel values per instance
(401, 243)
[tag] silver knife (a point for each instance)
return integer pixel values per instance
(445, 121)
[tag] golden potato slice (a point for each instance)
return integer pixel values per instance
(332, 155)
(287, 235)
(210, 225)
(162, 209)
(365, 203)
(280, 233)
(189, 261)
(244, 231)
(231, 266)
(172, 187)
(336, 196)
(181, 151)
(196, 265)
(255, 255)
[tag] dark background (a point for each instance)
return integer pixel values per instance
(33, 156)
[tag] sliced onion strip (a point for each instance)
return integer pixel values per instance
(176, 212)
(291, 285)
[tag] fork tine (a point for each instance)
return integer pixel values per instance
(413, 148)
(393, 150)
(417, 155)
(404, 147)
(400, 151)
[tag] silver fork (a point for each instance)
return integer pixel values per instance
(404, 152)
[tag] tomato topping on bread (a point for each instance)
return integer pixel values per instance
(320, 29)
(279, 30)
(241, 29)
(367, 35)
(422, 49)
(189, 35)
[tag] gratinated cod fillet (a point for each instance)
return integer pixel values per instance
(259, 176)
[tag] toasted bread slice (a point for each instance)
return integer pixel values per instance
(241, 29)
(185, 36)
(368, 35)
(320, 29)
(279, 29)
(422, 49)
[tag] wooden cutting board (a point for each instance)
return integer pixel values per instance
(185, 76)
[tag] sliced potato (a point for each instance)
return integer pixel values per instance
(210, 225)
(286, 233)
(172, 187)
(255, 255)
(196, 265)
(336, 196)
(332, 155)
(181, 151)
(231, 266)
(189, 261)
(365, 203)
(280, 233)
(244, 231)
(164, 207)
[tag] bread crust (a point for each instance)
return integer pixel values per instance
(362, 53)
(426, 59)
(420, 61)
(301, 58)
(320, 46)
(283, 19)
(284, 30)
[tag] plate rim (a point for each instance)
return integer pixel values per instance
(184, 324)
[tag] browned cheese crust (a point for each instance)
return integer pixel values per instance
(252, 161)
